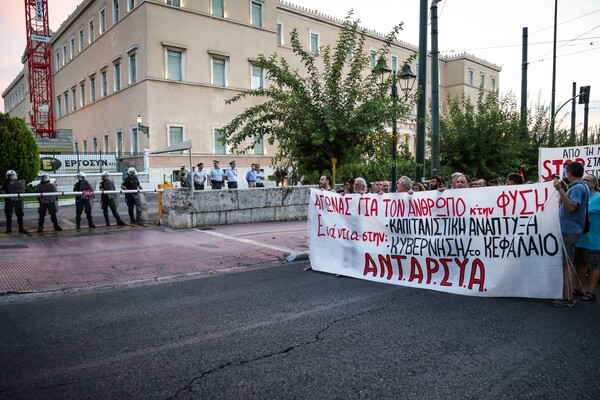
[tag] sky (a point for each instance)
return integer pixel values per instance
(491, 30)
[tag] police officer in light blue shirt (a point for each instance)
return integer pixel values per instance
(231, 175)
(215, 176)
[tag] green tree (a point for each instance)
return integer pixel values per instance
(482, 140)
(315, 115)
(18, 150)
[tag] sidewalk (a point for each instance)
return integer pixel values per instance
(108, 256)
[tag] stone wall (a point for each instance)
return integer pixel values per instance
(183, 208)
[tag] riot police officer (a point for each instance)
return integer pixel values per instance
(131, 183)
(47, 203)
(109, 200)
(83, 201)
(12, 186)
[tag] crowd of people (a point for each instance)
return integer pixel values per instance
(218, 178)
(579, 219)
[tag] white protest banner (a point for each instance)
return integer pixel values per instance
(552, 160)
(502, 241)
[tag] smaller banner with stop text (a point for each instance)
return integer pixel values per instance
(502, 241)
(554, 160)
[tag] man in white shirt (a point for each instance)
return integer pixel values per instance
(199, 177)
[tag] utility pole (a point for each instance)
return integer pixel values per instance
(573, 110)
(524, 131)
(422, 79)
(553, 106)
(435, 93)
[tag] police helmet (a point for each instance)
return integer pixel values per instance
(131, 171)
(105, 173)
(11, 172)
(45, 177)
(81, 175)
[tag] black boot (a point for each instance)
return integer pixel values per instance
(21, 226)
(40, 229)
(55, 223)
(90, 222)
(8, 225)
(120, 222)
(77, 223)
(107, 222)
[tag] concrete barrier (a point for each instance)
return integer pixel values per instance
(184, 209)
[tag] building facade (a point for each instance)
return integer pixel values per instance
(176, 62)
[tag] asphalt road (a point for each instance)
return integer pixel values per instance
(278, 332)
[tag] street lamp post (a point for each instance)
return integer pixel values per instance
(142, 128)
(407, 81)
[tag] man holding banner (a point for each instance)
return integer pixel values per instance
(572, 214)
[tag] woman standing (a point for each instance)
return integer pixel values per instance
(589, 244)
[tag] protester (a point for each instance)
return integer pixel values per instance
(377, 186)
(360, 186)
(325, 183)
(403, 184)
(418, 187)
(453, 179)
(109, 200)
(435, 183)
(83, 201)
(348, 187)
(47, 203)
(12, 186)
(588, 245)
(461, 182)
(572, 215)
(386, 186)
(514, 179)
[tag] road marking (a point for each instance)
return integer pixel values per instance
(248, 241)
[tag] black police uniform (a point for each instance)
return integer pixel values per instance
(131, 183)
(13, 204)
(47, 203)
(83, 202)
(108, 200)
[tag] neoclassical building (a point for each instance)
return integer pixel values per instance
(175, 62)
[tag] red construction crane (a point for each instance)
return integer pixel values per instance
(38, 62)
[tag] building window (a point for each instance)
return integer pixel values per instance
(57, 60)
(95, 145)
(115, 10)
(91, 31)
(482, 81)
(174, 60)
(102, 21)
(493, 83)
(314, 42)
(132, 67)
(82, 94)
(58, 106)
(103, 83)
(173, 3)
(280, 33)
(218, 71)
(92, 88)
(219, 146)
(256, 14)
(259, 146)
(117, 72)
(66, 95)
(72, 47)
(74, 97)
(81, 40)
(106, 144)
(471, 77)
(64, 55)
(394, 63)
(85, 147)
(134, 141)
(373, 58)
(130, 5)
(175, 133)
(217, 9)
(119, 143)
(257, 77)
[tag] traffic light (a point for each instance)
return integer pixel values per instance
(584, 95)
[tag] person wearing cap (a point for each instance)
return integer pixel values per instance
(83, 202)
(199, 177)
(47, 203)
(251, 176)
(216, 176)
(183, 173)
(12, 186)
(231, 176)
(260, 175)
